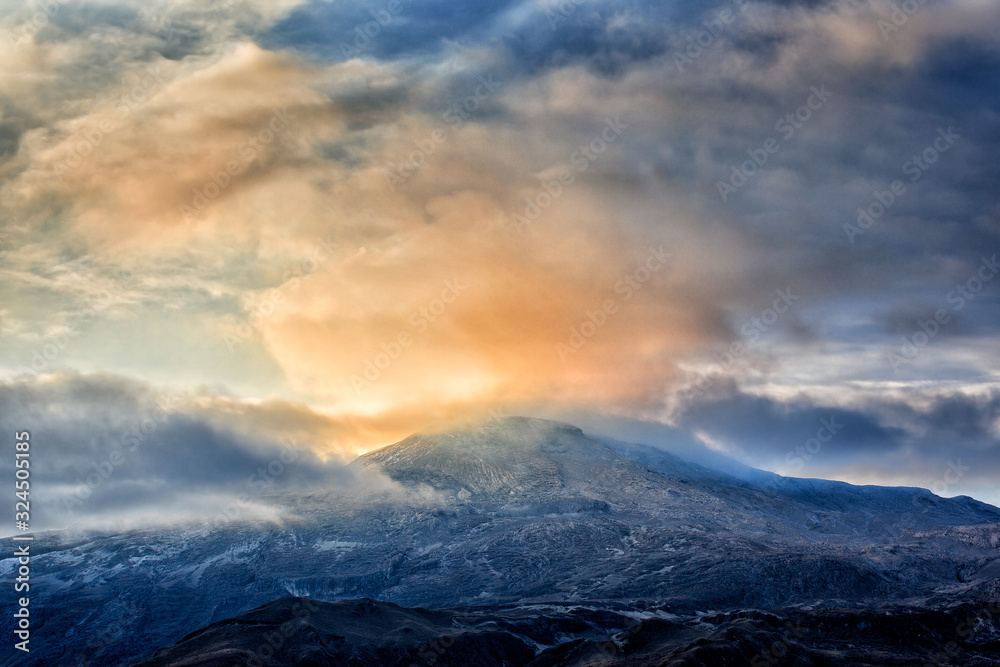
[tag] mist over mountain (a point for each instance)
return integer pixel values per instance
(510, 514)
(275, 273)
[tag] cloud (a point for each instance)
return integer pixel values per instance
(528, 289)
(166, 147)
(317, 270)
(914, 438)
(111, 453)
(388, 30)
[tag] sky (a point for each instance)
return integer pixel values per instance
(766, 228)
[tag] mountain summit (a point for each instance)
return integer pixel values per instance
(511, 456)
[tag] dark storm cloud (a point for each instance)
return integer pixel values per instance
(904, 318)
(913, 435)
(883, 114)
(104, 446)
(951, 420)
(770, 427)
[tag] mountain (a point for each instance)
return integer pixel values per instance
(512, 514)
(507, 459)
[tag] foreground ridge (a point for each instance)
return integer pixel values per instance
(297, 631)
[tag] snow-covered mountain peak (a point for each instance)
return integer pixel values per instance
(507, 456)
